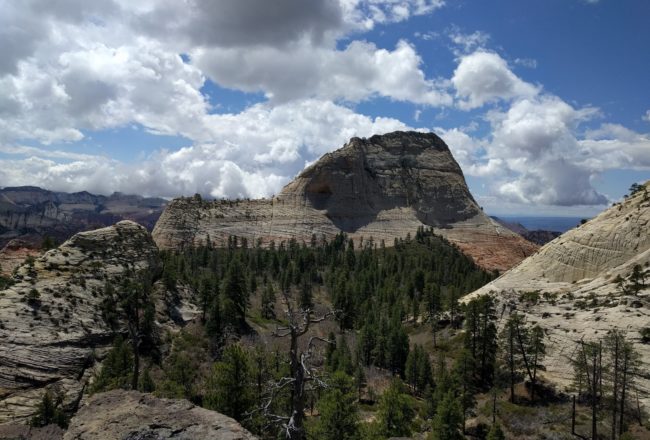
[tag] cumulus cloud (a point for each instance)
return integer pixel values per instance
(483, 77)
(251, 154)
(358, 72)
(74, 66)
(536, 147)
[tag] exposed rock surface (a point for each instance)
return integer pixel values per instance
(50, 320)
(131, 415)
(26, 432)
(381, 187)
(32, 213)
(14, 254)
(577, 295)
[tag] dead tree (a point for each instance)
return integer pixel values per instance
(302, 375)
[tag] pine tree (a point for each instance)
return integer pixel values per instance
(117, 367)
(395, 412)
(510, 353)
(235, 297)
(339, 419)
(49, 411)
(228, 389)
(268, 302)
(496, 433)
(447, 423)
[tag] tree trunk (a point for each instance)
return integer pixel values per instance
(295, 429)
(512, 366)
(615, 390)
(573, 417)
(623, 386)
(594, 384)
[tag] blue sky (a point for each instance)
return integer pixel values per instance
(545, 104)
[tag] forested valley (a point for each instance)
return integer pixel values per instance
(345, 340)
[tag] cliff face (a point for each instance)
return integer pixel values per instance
(31, 213)
(50, 319)
(575, 277)
(382, 188)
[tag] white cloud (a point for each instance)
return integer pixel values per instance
(251, 154)
(483, 77)
(646, 117)
(530, 63)
(73, 66)
(467, 43)
(358, 72)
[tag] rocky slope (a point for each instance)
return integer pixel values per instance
(51, 325)
(575, 295)
(382, 188)
(31, 213)
(14, 254)
(122, 414)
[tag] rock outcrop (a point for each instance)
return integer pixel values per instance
(14, 254)
(382, 188)
(570, 286)
(50, 319)
(131, 415)
(31, 213)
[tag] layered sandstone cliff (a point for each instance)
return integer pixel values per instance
(570, 286)
(31, 213)
(51, 321)
(383, 188)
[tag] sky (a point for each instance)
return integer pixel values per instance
(545, 104)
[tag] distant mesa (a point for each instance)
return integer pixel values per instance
(537, 236)
(29, 214)
(380, 188)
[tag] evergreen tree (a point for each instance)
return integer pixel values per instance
(117, 367)
(235, 297)
(496, 433)
(339, 417)
(147, 385)
(447, 423)
(228, 389)
(268, 302)
(395, 413)
(510, 353)
(49, 411)
(359, 379)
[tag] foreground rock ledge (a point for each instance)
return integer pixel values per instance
(132, 415)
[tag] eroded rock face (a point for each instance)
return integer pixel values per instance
(14, 254)
(577, 296)
(51, 318)
(381, 187)
(131, 415)
(30, 213)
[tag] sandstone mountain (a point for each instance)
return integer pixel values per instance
(382, 188)
(122, 414)
(31, 213)
(571, 289)
(52, 329)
